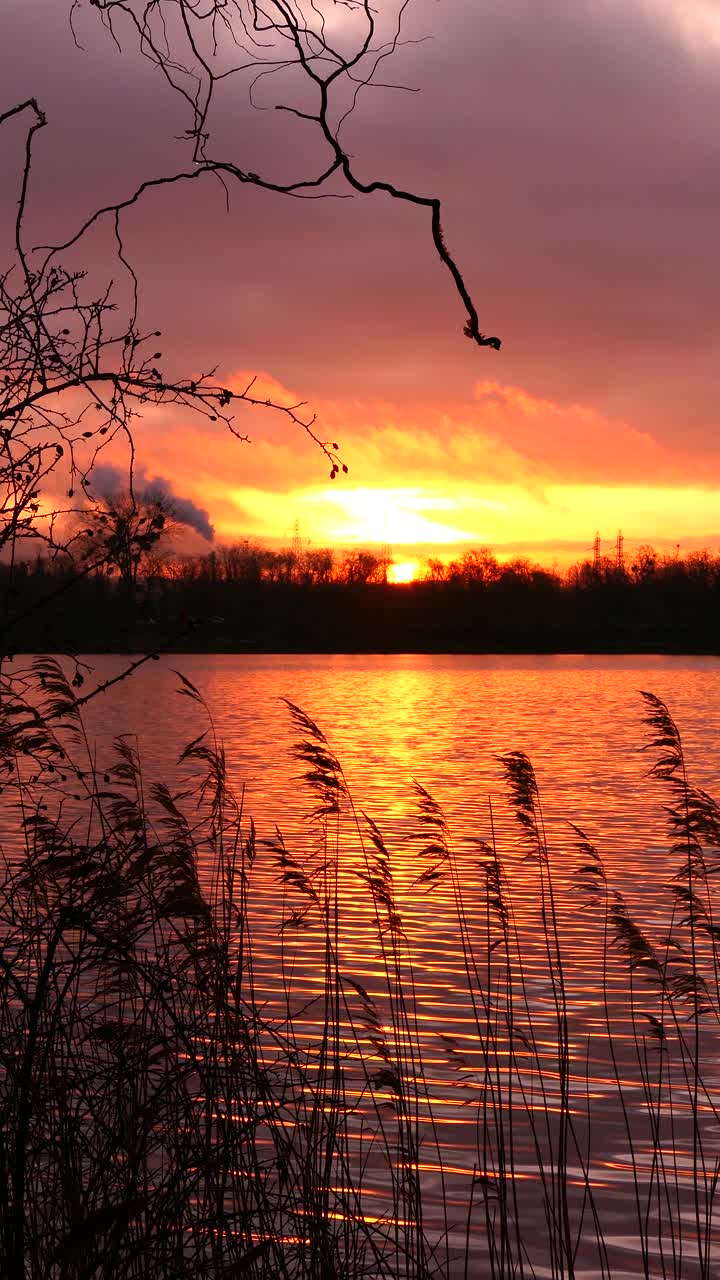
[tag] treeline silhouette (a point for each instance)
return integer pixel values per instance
(247, 597)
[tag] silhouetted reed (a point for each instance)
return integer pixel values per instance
(163, 1116)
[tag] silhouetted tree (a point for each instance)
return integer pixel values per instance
(475, 568)
(645, 562)
(521, 606)
(75, 370)
(435, 570)
(360, 567)
(121, 531)
(317, 566)
(76, 366)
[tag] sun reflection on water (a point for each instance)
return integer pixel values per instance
(479, 1037)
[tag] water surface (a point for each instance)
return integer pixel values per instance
(445, 721)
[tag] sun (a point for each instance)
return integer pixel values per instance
(404, 571)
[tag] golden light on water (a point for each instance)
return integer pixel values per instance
(430, 905)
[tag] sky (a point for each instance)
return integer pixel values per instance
(575, 149)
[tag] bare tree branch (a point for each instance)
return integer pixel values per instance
(294, 40)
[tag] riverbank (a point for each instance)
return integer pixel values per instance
(535, 616)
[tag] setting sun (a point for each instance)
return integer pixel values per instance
(404, 571)
(358, 383)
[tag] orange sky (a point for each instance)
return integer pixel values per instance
(505, 469)
(577, 156)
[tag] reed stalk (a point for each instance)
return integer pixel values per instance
(162, 1116)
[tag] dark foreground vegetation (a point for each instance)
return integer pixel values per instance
(247, 598)
(160, 1116)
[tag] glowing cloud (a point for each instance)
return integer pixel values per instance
(385, 515)
(506, 468)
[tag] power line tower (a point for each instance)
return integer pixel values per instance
(596, 552)
(297, 546)
(385, 559)
(619, 553)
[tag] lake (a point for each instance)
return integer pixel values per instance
(614, 1112)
